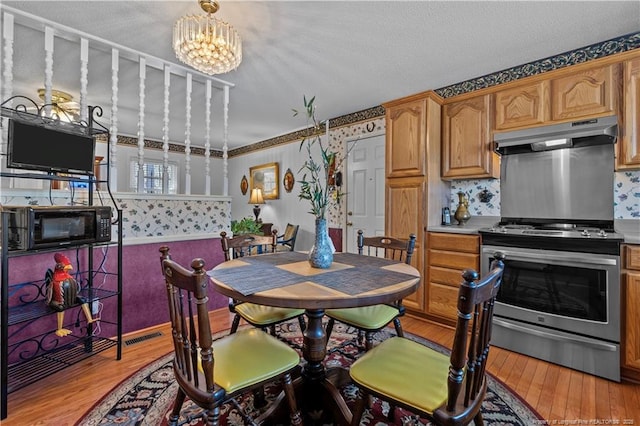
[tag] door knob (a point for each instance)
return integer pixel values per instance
(349, 223)
(349, 213)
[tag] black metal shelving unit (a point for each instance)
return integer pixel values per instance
(35, 354)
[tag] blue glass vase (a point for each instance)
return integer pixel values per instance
(321, 254)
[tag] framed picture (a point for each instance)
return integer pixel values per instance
(267, 178)
(244, 185)
(288, 180)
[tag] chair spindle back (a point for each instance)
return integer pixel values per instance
(391, 248)
(247, 245)
(190, 328)
(473, 334)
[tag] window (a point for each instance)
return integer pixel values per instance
(153, 177)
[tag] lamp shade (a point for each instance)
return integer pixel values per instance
(256, 196)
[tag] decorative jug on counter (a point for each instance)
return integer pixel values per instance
(462, 213)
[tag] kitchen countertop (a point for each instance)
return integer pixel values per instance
(471, 227)
(629, 228)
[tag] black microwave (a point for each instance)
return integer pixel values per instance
(40, 227)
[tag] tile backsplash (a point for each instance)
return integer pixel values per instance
(626, 195)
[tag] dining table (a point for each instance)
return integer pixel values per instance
(286, 279)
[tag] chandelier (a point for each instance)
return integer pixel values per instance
(206, 43)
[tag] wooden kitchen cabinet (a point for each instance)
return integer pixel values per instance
(466, 140)
(413, 141)
(629, 144)
(447, 256)
(407, 198)
(593, 92)
(413, 136)
(631, 311)
(522, 106)
(405, 138)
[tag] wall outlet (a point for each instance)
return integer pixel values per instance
(95, 307)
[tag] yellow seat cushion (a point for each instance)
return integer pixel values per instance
(248, 357)
(405, 371)
(366, 317)
(265, 315)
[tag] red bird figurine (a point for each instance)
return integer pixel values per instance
(62, 292)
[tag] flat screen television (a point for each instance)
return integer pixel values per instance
(36, 147)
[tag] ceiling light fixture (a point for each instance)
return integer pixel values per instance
(62, 105)
(206, 43)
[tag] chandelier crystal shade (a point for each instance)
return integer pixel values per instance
(205, 43)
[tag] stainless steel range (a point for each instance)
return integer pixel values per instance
(560, 296)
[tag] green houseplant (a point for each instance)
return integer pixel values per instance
(316, 185)
(246, 225)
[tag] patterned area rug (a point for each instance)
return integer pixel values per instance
(147, 396)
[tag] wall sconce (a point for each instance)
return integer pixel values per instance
(256, 199)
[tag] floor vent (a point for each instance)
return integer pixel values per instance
(142, 338)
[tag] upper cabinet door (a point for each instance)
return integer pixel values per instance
(406, 130)
(466, 140)
(629, 144)
(522, 106)
(585, 94)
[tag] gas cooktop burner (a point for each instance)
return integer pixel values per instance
(586, 237)
(560, 230)
(516, 226)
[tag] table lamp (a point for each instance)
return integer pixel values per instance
(256, 199)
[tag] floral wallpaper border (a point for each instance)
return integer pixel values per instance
(584, 54)
(597, 50)
(613, 46)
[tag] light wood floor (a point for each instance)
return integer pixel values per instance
(557, 393)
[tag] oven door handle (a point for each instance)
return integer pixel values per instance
(584, 258)
(576, 339)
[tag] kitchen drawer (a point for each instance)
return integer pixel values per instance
(632, 257)
(443, 301)
(450, 277)
(453, 260)
(454, 242)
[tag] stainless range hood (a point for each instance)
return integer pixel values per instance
(562, 173)
(579, 133)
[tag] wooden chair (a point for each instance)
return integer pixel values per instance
(448, 390)
(261, 316)
(369, 319)
(287, 241)
(243, 361)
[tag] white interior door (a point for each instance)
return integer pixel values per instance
(365, 189)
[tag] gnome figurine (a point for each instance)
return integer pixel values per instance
(62, 292)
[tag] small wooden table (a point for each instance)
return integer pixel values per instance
(287, 280)
(266, 228)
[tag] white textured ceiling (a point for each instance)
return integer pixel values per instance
(352, 55)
